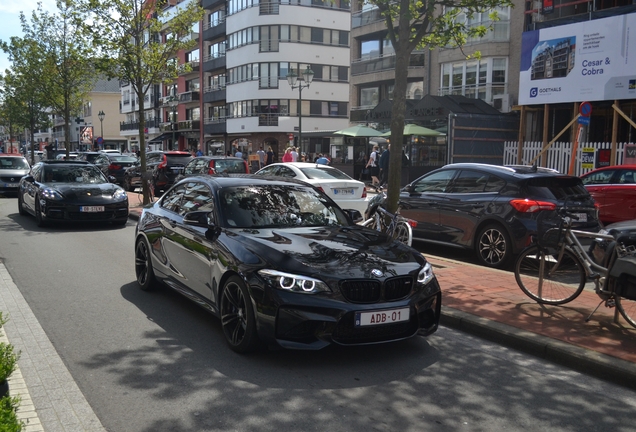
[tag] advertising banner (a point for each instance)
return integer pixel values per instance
(587, 158)
(587, 61)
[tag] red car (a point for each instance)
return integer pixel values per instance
(614, 190)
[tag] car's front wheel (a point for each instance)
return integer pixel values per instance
(493, 246)
(237, 317)
(143, 266)
(21, 209)
(39, 219)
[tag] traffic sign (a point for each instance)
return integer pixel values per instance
(585, 109)
(584, 120)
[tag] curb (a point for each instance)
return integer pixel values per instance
(581, 359)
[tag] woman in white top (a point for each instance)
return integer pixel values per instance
(372, 166)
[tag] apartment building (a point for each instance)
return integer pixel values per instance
(235, 94)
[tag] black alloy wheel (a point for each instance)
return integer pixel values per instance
(143, 266)
(237, 317)
(38, 213)
(493, 246)
(21, 209)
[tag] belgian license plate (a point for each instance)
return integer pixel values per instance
(91, 209)
(382, 317)
(348, 191)
(580, 217)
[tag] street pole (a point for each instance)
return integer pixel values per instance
(292, 79)
(173, 105)
(101, 116)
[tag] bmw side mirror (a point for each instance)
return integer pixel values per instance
(112, 179)
(28, 178)
(199, 218)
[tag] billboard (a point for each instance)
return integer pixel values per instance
(86, 135)
(591, 61)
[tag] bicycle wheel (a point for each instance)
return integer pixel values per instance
(403, 233)
(547, 281)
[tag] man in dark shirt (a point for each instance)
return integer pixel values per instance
(384, 166)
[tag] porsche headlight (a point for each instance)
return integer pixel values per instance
(293, 282)
(119, 195)
(51, 194)
(426, 274)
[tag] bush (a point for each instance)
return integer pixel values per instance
(9, 421)
(8, 361)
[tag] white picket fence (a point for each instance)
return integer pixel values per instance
(558, 155)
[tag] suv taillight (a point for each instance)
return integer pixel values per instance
(163, 163)
(531, 206)
(114, 167)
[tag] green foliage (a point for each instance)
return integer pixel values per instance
(8, 361)
(9, 421)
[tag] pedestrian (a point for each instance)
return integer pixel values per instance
(372, 165)
(294, 154)
(384, 166)
(322, 160)
(287, 157)
(199, 152)
(269, 156)
(261, 157)
(238, 154)
(49, 151)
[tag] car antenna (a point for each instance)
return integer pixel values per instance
(534, 167)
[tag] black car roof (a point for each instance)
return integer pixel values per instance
(64, 162)
(517, 171)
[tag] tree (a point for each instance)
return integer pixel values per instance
(141, 45)
(67, 69)
(10, 108)
(24, 75)
(423, 24)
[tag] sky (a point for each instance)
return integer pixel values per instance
(10, 24)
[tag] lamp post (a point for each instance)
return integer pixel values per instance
(173, 106)
(101, 116)
(292, 79)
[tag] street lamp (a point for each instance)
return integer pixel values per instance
(173, 102)
(101, 116)
(292, 79)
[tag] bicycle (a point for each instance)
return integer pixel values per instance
(394, 225)
(555, 268)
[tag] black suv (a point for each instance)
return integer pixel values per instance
(163, 168)
(491, 209)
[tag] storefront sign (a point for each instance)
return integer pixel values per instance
(629, 158)
(589, 61)
(548, 7)
(587, 158)
(603, 158)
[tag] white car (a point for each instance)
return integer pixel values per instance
(345, 191)
(62, 156)
(113, 151)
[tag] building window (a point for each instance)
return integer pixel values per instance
(369, 96)
(369, 49)
(481, 79)
(269, 38)
(500, 31)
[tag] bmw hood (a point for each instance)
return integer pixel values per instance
(73, 191)
(353, 251)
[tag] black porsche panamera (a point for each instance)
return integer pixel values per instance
(71, 191)
(282, 264)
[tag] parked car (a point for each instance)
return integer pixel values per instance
(71, 191)
(491, 209)
(162, 168)
(614, 190)
(12, 168)
(215, 165)
(110, 151)
(114, 164)
(345, 191)
(89, 156)
(282, 264)
(62, 156)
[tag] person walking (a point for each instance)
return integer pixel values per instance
(261, 156)
(372, 165)
(322, 160)
(294, 154)
(199, 152)
(384, 166)
(269, 156)
(287, 157)
(238, 154)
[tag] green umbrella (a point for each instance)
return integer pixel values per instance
(358, 131)
(411, 129)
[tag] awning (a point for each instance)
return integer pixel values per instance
(163, 137)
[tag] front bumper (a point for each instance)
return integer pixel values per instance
(56, 211)
(299, 321)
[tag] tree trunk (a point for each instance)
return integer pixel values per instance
(138, 87)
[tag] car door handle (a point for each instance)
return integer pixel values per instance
(477, 206)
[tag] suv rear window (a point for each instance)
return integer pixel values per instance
(178, 159)
(557, 188)
(230, 166)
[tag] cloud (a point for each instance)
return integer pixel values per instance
(26, 6)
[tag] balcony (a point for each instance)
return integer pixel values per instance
(215, 126)
(134, 125)
(214, 94)
(190, 125)
(168, 126)
(383, 63)
(214, 31)
(362, 18)
(165, 100)
(210, 4)
(268, 119)
(189, 67)
(191, 96)
(211, 63)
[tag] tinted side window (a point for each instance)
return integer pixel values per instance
(190, 167)
(267, 171)
(557, 188)
(495, 184)
(469, 182)
(171, 200)
(285, 172)
(197, 197)
(436, 182)
(626, 177)
(601, 177)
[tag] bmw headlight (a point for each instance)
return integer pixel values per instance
(120, 195)
(293, 282)
(51, 194)
(426, 274)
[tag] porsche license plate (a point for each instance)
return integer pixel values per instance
(388, 316)
(91, 209)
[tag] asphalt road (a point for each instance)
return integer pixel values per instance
(156, 362)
